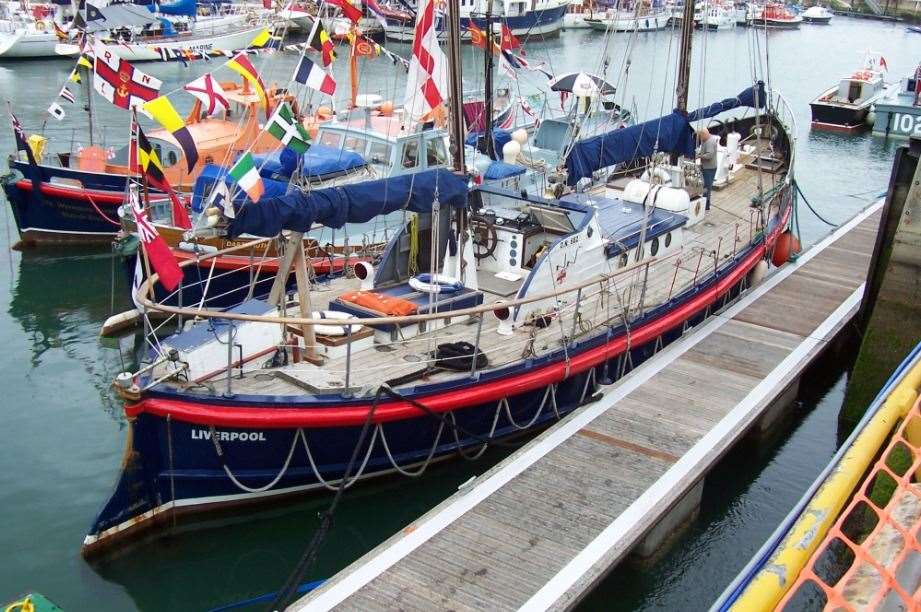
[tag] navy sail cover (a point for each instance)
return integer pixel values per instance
(669, 134)
(355, 203)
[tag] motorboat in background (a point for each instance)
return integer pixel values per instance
(773, 15)
(524, 19)
(845, 107)
(817, 14)
(638, 19)
(717, 17)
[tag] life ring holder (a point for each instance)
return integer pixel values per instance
(334, 330)
(435, 283)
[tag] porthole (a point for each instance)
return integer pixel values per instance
(668, 240)
(654, 246)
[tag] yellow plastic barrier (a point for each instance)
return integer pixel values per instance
(778, 575)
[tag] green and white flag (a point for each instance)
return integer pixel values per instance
(284, 126)
(247, 177)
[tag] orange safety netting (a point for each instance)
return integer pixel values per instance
(871, 557)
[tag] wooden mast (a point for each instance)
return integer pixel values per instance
(487, 83)
(684, 57)
(456, 125)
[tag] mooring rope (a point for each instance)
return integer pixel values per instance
(799, 190)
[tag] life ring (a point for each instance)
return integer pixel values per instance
(40, 26)
(435, 283)
(333, 330)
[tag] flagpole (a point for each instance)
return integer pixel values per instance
(89, 88)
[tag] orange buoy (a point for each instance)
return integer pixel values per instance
(386, 108)
(786, 246)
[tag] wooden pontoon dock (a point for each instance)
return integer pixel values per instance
(619, 475)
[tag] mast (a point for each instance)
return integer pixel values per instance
(684, 59)
(487, 82)
(684, 62)
(455, 119)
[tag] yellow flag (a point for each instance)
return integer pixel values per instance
(261, 38)
(161, 109)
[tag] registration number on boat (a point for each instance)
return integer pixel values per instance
(907, 124)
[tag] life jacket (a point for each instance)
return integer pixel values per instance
(378, 302)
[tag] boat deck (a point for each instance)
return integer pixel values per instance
(726, 229)
(542, 527)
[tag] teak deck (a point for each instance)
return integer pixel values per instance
(539, 529)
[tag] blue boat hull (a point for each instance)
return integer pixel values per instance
(71, 206)
(172, 465)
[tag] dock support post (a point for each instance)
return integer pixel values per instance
(663, 534)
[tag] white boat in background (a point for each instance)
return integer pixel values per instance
(817, 14)
(576, 13)
(524, 18)
(149, 49)
(641, 20)
(718, 17)
(28, 34)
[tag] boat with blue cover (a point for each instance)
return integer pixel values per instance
(490, 312)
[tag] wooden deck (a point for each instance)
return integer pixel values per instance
(542, 527)
(727, 229)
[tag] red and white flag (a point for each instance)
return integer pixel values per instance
(158, 253)
(211, 94)
(427, 81)
(119, 82)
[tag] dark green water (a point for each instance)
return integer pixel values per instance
(63, 432)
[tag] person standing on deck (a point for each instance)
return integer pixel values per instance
(706, 152)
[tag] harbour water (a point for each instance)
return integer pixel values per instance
(64, 430)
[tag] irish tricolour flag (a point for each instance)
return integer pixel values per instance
(247, 177)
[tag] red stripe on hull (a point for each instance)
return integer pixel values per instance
(99, 197)
(283, 418)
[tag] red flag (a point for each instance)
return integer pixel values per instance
(158, 253)
(352, 12)
(509, 41)
(477, 36)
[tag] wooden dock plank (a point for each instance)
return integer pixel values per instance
(514, 543)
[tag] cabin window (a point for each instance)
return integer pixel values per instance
(167, 152)
(379, 153)
(330, 139)
(623, 260)
(411, 154)
(435, 153)
(854, 91)
(668, 240)
(355, 144)
(654, 246)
